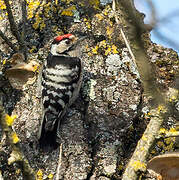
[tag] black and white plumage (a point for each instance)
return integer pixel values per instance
(61, 82)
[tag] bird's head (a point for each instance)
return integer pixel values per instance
(64, 44)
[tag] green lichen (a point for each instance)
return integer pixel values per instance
(92, 84)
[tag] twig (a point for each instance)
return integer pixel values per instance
(144, 66)
(24, 20)
(122, 33)
(14, 28)
(7, 41)
(13, 25)
(20, 158)
(137, 162)
(59, 163)
(171, 134)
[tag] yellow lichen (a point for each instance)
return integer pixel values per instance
(169, 143)
(67, 1)
(32, 5)
(160, 144)
(147, 115)
(32, 49)
(107, 10)
(10, 119)
(18, 171)
(39, 175)
(42, 25)
(50, 176)
(99, 16)
(35, 25)
(85, 20)
(88, 25)
(68, 11)
(2, 5)
(38, 21)
(90, 54)
(105, 13)
(153, 151)
(4, 61)
(161, 108)
(14, 157)
(35, 67)
(173, 94)
(144, 138)
(111, 23)
(109, 31)
(15, 138)
(94, 3)
(162, 131)
(103, 44)
(108, 51)
(47, 8)
(173, 98)
(138, 165)
(172, 130)
(95, 50)
(114, 49)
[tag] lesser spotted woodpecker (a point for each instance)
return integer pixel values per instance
(61, 82)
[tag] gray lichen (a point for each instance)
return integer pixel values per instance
(127, 60)
(111, 94)
(92, 84)
(113, 64)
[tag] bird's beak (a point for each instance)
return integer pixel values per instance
(77, 41)
(81, 38)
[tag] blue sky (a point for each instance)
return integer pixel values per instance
(167, 14)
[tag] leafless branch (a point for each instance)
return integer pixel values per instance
(13, 25)
(14, 28)
(59, 163)
(153, 19)
(8, 42)
(24, 21)
(138, 160)
(122, 32)
(16, 150)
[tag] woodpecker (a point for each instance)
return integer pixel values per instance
(60, 85)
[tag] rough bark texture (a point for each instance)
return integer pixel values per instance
(101, 130)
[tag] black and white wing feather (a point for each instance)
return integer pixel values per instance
(61, 82)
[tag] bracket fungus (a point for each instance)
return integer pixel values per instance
(166, 166)
(21, 73)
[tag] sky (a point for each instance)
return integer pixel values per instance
(166, 32)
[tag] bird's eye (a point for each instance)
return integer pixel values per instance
(68, 41)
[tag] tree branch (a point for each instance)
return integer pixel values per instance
(137, 162)
(14, 28)
(8, 42)
(16, 155)
(24, 20)
(59, 163)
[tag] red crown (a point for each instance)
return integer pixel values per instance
(59, 38)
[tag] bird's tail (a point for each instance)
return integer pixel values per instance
(47, 138)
